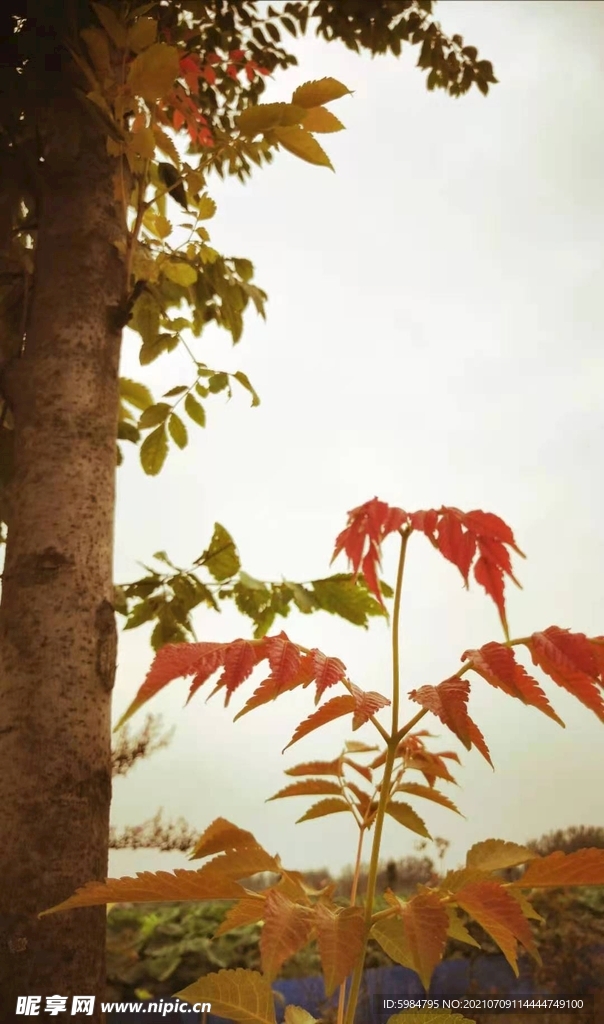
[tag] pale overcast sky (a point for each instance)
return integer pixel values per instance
(434, 336)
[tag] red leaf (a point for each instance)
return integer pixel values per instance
(458, 535)
(570, 659)
(240, 659)
(448, 702)
(172, 662)
(365, 705)
(327, 671)
(497, 664)
(361, 540)
(284, 660)
(335, 708)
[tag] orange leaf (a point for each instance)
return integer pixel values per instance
(430, 766)
(154, 887)
(340, 934)
(570, 660)
(448, 702)
(416, 938)
(286, 930)
(584, 867)
(497, 664)
(428, 793)
(248, 911)
(316, 768)
(360, 768)
(331, 805)
(500, 915)
(335, 708)
(222, 835)
(406, 816)
(308, 787)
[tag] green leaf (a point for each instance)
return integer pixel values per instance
(315, 94)
(303, 145)
(173, 392)
(304, 601)
(218, 382)
(178, 431)
(245, 268)
(244, 381)
(154, 450)
(135, 394)
(128, 432)
(195, 410)
(161, 556)
(221, 558)
(180, 272)
(154, 415)
(151, 350)
(140, 613)
(342, 595)
(116, 31)
(145, 317)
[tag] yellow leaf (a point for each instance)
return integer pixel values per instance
(114, 28)
(406, 816)
(457, 929)
(318, 119)
(206, 208)
(240, 996)
(265, 116)
(165, 145)
(303, 145)
(153, 72)
(340, 935)
(296, 1015)
(497, 854)
(142, 34)
(143, 143)
(315, 94)
(157, 224)
(144, 267)
(181, 273)
(98, 48)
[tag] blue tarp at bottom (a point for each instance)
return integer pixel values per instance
(483, 976)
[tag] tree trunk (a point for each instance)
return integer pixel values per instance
(57, 627)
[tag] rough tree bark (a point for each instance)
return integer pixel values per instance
(57, 628)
